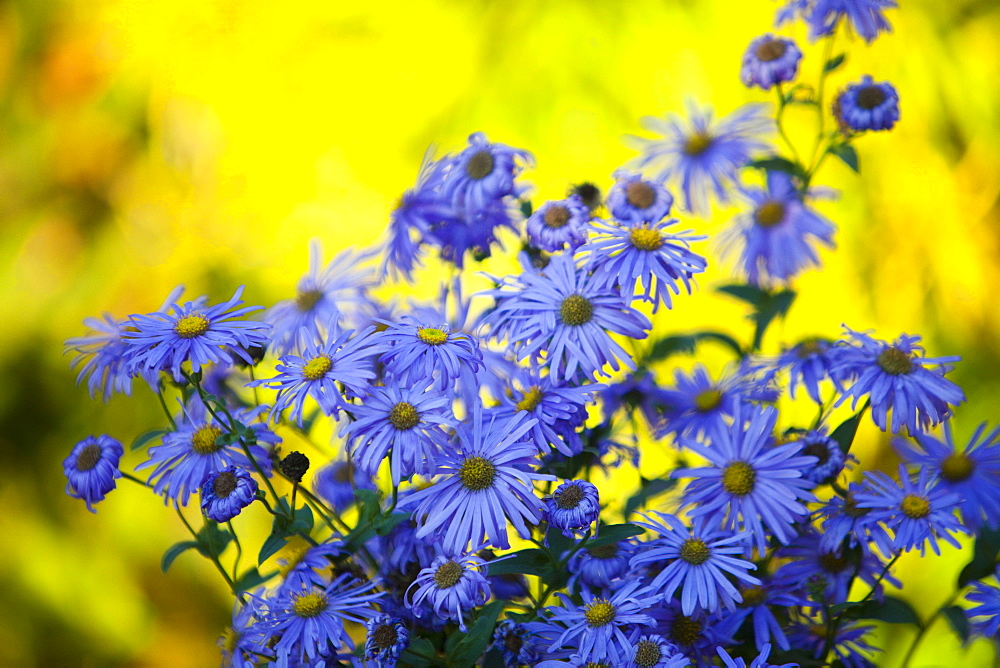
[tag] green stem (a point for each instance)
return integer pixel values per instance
(163, 403)
(817, 158)
(781, 128)
(128, 476)
(239, 550)
(922, 631)
(215, 560)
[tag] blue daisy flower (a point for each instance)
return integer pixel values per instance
(410, 224)
(564, 319)
(309, 622)
(699, 560)
(451, 586)
(409, 421)
(777, 238)
(335, 483)
(655, 651)
(704, 156)
(849, 644)
(809, 363)
(243, 639)
(573, 506)
(516, 644)
(898, 378)
(599, 567)
(987, 598)
(321, 372)
(830, 459)
(757, 604)
(973, 473)
(637, 392)
(304, 565)
(867, 106)
(598, 628)
(227, 492)
(864, 16)
(559, 224)
(193, 333)
(103, 358)
(844, 521)
(633, 199)
(829, 572)
(190, 454)
(696, 635)
(482, 173)
(698, 404)
(760, 661)
(916, 511)
(386, 640)
(92, 468)
(751, 485)
(335, 293)
(411, 351)
(769, 60)
(623, 256)
(487, 482)
(559, 409)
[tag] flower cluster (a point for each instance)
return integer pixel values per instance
(466, 515)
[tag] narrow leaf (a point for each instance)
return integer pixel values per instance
(147, 436)
(614, 534)
(847, 155)
(958, 622)
(848, 429)
(473, 644)
(984, 557)
(175, 551)
(834, 62)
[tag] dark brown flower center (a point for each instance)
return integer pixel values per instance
(88, 457)
(304, 301)
(569, 497)
(895, 362)
(603, 551)
(819, 451)
(640, 194)
(647, 653)
(771, 49)
(385, 636)
(556, 217)
(685, 630)
(831, 562)
(870, 97)
(224, 484)
(480, 165)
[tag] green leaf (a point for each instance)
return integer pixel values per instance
(531, 561)
(892, 610)
(384, 524)
(473, 644)
(848, 429)
(647, 490)
(175, 551)
(227, 438)
(767, 306)
(493, 659)
(145, 437)
(415, 653)
(779, 164)
(557, 542)
(212, 540)
(274, 542)
(369, 503)
(984, 557)
(252, 578)
(847, 155)
(834, 62)
(748, 293)
(685, 344)
(958, 622)
(526, 208)
(614, 533)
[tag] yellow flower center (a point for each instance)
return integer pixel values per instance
(191, 326)
(448, 574)
(769, 213)
(203, 440)
(599, 612)
(317, 367)
(695, 552)
(697, 144)
(685, 630)
(477, 473)
(293, 555)
(915, 507)
(310, 605)
(708, 400)
(576, 310)
(739, 478)
(431, 336)
(895, 362)
(753, 596)
(88, 457)
(640, 194)
(809, 347)
(307, 299)
(404, 416)
(480, 165)
(647, 654)
(230, 637)
(956, 467)
(556, 217)
(531, 399)
(645, 239)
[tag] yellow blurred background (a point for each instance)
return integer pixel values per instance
(146, 144)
